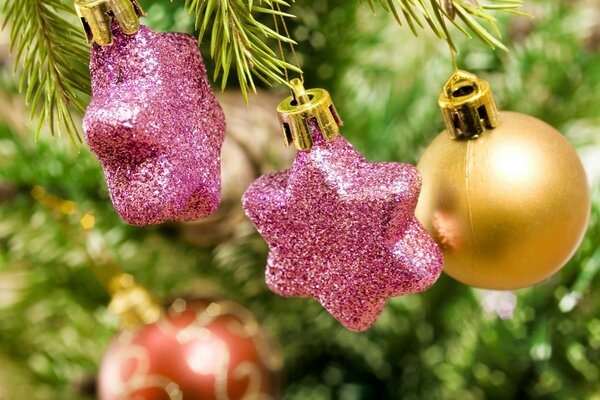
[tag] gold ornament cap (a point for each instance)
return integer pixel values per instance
(133, 303)
(303, 106)
(468, 106)
(96, 18)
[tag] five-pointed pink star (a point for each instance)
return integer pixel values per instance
(342, 230)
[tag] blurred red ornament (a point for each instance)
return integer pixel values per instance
(199, 349)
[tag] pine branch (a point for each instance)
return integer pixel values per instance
(52, 55)
(434, 13)
(237, 37)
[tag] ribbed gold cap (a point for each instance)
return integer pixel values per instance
(296, 111)
(468, 106)
(96, 18)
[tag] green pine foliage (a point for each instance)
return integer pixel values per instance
(442, 344)
(435, 13)
(237, 37)
(51, 55)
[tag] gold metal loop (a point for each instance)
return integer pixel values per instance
(97, 16)
(468, 106)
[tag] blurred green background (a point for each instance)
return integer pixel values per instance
(452, 342)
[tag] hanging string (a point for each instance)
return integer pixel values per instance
(275, 6)
(448, 7)
(453, 59)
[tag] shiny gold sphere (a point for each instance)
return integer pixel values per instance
(509, 208)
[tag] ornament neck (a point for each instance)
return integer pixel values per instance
(305, 109)
(133, 303)
(97, 17)
(468, 106)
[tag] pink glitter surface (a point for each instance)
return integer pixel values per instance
(342, 230)
(155, 126)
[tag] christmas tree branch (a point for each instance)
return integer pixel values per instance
(434, 13)
(52, 54)
(238, 38)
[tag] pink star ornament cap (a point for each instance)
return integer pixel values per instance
(342, 230)
(155, 126)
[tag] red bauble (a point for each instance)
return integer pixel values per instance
(199, 350)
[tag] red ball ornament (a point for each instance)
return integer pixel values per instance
(199, 349)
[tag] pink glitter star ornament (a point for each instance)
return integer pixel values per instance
(341, 229)
(155, 126)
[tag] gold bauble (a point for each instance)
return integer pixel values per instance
(508, 208)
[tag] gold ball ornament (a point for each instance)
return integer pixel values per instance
(504, 194)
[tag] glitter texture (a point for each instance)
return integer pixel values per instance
(155, 126)
(342, 230)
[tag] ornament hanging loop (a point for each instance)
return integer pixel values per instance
(302, 107)
(97, 17)
(298, 92)
(468, 106)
